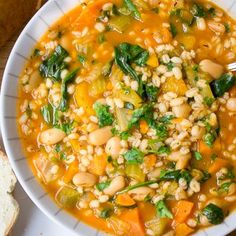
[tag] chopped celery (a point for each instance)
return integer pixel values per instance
(120, 23)
(157, 225)
(128, 95)
(67, 197)
(142, 4)
(122, 119)
(135, 172)
(116, 76)
(97, 87)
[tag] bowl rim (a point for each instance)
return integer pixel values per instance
(228, 227)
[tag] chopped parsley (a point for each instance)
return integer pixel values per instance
(162, 210)
(134, 156)
(105, 118)
(198, 156)
(101, 186)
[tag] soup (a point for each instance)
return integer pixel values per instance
(127, 113)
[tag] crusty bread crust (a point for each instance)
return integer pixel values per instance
(9, 209)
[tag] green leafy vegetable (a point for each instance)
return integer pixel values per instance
(106, 213)
(103, 185)
(223, 84)
(224, 188)
(36, 52)
(198, 156)
(213, 213)
(81, 59)
(162, 210)
(126, 54)
(209, 138)
(134, 156)
(175, 175)
(133, 9)
(67, 197)
(166, 119)
(101, 38)
(52, 66)
(105, 118)
(137, 186)
(145, 112)
(208, 101)
(46, 112)
(65, 81)
(152, 92)
(173, 30)
(198, 10)
(125, 135)
(227, 28)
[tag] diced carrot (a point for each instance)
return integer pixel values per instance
(125, 200)
(208, 151)
(176, 120)
(98, 164)
(143, 125)
(109, 86)
(70, 172)
(183, 230)
(75, 145)
(217, 165)
(150, 160)
(153, 61)
(184, 209)
(132, 217)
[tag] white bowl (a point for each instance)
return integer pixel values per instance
(37, 27)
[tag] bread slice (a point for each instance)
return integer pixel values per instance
(7, 177)
(9, 211)
(9, 208)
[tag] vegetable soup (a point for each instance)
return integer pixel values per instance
(128, 115)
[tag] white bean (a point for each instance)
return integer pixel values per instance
(116, 185)
(84, 179)
(212, 68)
(182, 111)
(231, 104)
(51, 136)
(100, 136)
(113, 146)
(140, 193)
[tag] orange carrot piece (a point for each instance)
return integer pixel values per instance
(98, 165)
(217, 165)
(184, 209)
(132, 217)
(71, 171)
(143, 125)
(183, 230)
(150, 160)
(125, 200)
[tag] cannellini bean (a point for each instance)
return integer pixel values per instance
(231, 104)
(154, 174)
(113, 146)
(201, 24)
(182, 111)
(51, 136)
(100, 136)
(212, 68)
(140, 193)
(116, 185)
(183, 161)
(231, 198)
(34, 80)
(216, 27)
(84, 179)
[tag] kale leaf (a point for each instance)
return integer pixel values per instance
(134, 156)
(162, 210)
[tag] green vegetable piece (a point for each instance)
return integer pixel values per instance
(134, 156)
(198, 156)
(152, 93)
(137, 186)
(105, 118)
(65, 81)
(46, 112)
(101, 186)
(213, 213)
(170, 174)
(162, 210)
(133, 9)
(106, 213)
(52, 66)
(134, 171)
(166, 119)
(67, 197)
(209, 138)
(173, 31)
(224, 188)
(81, 59)
(145, 112)
(205, 177)
(198, 11)
(36, 52)
(126, 54)
(120, 23)
(223, 84)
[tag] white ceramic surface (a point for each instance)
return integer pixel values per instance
(39, 24)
